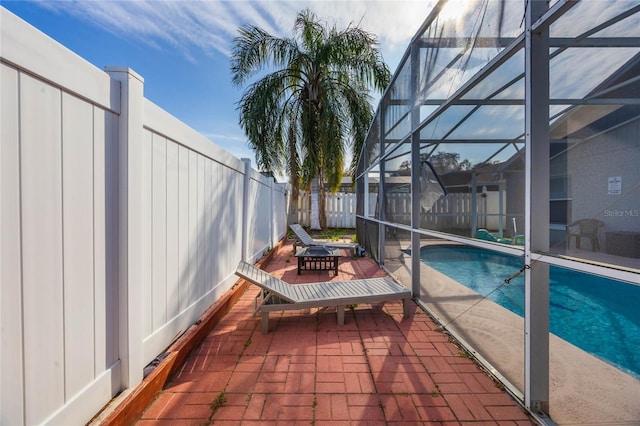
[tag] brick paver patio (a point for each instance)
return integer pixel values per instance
(377, 369)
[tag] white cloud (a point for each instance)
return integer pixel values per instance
(210, 26)
(197, 27)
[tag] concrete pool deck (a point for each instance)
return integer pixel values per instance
(583, 389)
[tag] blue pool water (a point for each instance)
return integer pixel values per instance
(601, 316)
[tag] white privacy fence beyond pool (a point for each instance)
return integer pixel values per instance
(120, 227)
(454, 211)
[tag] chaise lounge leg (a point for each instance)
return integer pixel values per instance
(265, 322)
(340, 312)
(405, 307)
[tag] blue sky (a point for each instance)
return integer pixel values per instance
(182, 48)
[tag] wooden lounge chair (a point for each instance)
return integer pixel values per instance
(278, 295)
(305, 240)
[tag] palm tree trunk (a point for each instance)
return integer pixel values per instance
(293, 203)
(315, 218)
(294, 179)
(322, 204)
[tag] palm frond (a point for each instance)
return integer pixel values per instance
(255, 50)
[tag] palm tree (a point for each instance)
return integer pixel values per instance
(301, 117)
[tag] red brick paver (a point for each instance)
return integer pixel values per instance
(376, 369)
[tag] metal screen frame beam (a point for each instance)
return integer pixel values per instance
(416, 190)
(536, 350)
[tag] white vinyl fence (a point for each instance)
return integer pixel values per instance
(451, 212)
(341, 210)
(120, 226)
(454, 211)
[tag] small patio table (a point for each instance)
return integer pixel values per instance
(318, 259)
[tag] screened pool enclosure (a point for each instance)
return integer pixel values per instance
(511, 130)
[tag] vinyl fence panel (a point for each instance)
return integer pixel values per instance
(57, 149)
(340, 210)
(120, 227)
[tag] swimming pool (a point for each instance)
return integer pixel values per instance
(601, 316)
